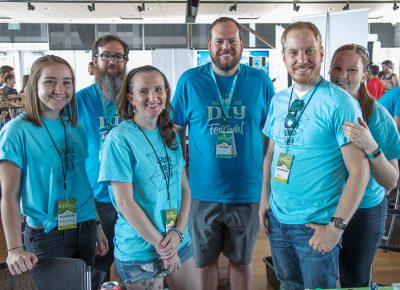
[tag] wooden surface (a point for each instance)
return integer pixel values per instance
(386, 265)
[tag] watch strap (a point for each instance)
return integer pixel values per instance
(375, 154)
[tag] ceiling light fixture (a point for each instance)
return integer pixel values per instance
(347, 6)
(233, 7)
(395, 6)
(91, 7)
(30, 6)
(296, 7)
(141, 7)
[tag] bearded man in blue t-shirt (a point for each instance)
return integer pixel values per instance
(225, 105)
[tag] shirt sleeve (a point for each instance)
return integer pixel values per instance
(349, 111)
(117, 162)
(11, 148)
(179, 103)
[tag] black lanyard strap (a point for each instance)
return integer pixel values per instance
(290, 132)
(64, 164)
(167, 175)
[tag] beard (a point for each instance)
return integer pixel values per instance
(225, 66)
(109, 85)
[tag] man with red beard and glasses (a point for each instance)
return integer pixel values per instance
(314, 177)
(97, 114)
(225, 105)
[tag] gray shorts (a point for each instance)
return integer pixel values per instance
(220, 227)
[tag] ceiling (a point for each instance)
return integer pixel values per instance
(116, 11)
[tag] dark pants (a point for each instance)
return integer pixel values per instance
(108, 217)
(360, 241)
(77, 243)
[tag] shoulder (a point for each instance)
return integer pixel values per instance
(18, 126)
(122, 131)
(89, 91)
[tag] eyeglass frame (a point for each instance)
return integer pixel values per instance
(113, 56)
(293, 113)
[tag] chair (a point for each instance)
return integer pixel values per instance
(61, 274)
(391, 238)
(19, 282)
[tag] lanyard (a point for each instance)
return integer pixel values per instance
(167, 175)
(108, 111)
(290, 132)
(225, 106)
(63, 164)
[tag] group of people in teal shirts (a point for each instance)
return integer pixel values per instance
(43, 176)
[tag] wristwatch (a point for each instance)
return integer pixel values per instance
(375, 154)
(338, 223)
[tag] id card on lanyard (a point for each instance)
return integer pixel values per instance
(225, 146)
(66, 207)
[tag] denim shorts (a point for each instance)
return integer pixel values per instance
(131, 271)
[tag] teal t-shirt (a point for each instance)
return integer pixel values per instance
(318, 172)
(384, 131)
(31, 149)
(196, 104)
(128, 157)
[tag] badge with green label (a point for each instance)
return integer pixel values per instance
(67, 214)
(225, 145)
(170, 220)
(102, 139)
(283, 168)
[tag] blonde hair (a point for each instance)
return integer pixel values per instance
(32, 101)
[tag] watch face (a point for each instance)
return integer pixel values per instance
(339, 223)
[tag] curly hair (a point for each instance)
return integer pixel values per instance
(125, 108)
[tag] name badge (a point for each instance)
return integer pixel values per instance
(226, 147)
(283, 168)
(170, 219)
(67, 214)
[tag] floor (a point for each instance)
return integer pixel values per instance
(386, 264)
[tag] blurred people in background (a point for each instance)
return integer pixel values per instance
(9, 84)
(388, 77)
(376, 134)
(374, 85)
(5, 70)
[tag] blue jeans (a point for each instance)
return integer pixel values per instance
(130, 272)
(360, 241)
(77, 243)
(296, 264)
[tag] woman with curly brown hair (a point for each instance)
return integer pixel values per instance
(143, 164)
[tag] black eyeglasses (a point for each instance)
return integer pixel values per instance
(290, 119)
(106, 57)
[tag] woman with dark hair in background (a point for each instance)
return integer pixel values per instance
(378, 137)
(388, 77)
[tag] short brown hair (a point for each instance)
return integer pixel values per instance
(32, 101)
(222, 20)
(126, 110)
(106, 39)
(298, 26)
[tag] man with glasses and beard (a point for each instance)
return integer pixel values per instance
(97, 113)
(225, 105)
(314, 177)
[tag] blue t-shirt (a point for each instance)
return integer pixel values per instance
(384, 131)
(318, 172)
(98, 120)
(196, 103)
(31, 149)
(391, 101)
(128, 157)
